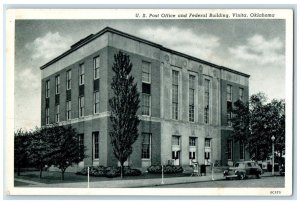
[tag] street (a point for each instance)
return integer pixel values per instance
(264, 182)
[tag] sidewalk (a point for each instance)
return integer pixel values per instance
(134, 183)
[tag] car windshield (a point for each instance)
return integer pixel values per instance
(240, 165)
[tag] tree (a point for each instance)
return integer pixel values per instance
(21, 144)
(124, 106)
(39, 149)
(256, 122)
(65, 149)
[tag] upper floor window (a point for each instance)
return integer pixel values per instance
(47, 116)
(96, 102)
(192, 98)
(69, 78)
(175, 140)
(175, 92)
(146, 72)
(229, 92)
(96, 67)
(207, 142)
(192, 141)
(241, 94)
(229, 149)
(69, 110)
(47, 87)
(57, 84)
(206, 100)
(81, 106)
(81, 74)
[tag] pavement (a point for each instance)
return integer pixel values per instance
(134, 183)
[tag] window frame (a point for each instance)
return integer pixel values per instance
(57, 84)
(69, 110)
(96, 105)
(149, 146)
(69, 79)
(192, 141)
(207, 141)
(81, 74)
(57, 113)
(96, 74)
(192, 88)
(47, 89)
(96, 145)
(47, 115)
(81, 106)
(175, 113)
(148, 73)
(207, 99)
(229, 144)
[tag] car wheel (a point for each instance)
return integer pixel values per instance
(258, 175)
(241, 176)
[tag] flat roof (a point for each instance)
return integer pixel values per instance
(92, 37)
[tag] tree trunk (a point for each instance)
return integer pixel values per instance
(122, 170)
(62, 174)
(41, 170)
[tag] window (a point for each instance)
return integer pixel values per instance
(57, 84)
(229, 149)
(47, 116)
(207, 142)
(229, 92)
(146, 104)
(57, 113)
(206, 100)
(96, 67)
(146, 72)
(192, 98)
(96, 145)
(146, 88)
(81, 142)
(229, 105)
(175, 85)
(47, 88)
(175, 140)
(146, 145)
(192, 141)
(241, 94)
(81, 106)
(242, 150)
(207, 155)
(68, 110)
(69, 78)
(96, 102)
(192, 155)
(81, 74)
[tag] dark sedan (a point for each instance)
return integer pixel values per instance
(243, 169)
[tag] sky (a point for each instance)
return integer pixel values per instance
(254, 47)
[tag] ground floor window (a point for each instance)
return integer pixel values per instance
(96, 145)
(146, 145)
(81, 142)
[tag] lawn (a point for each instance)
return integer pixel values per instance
(55, 177)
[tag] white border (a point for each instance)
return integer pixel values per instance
(11, 15)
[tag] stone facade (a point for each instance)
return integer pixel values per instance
(202, 137)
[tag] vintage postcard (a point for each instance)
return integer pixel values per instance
(194, 102)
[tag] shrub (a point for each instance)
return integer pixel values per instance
(168, 169)
(110, 172)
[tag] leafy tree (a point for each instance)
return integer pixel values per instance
(65, 149)
(256, 125)
(39, 149)
(21, 144)
(124, 106)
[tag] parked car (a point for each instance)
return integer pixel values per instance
(243, 170)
